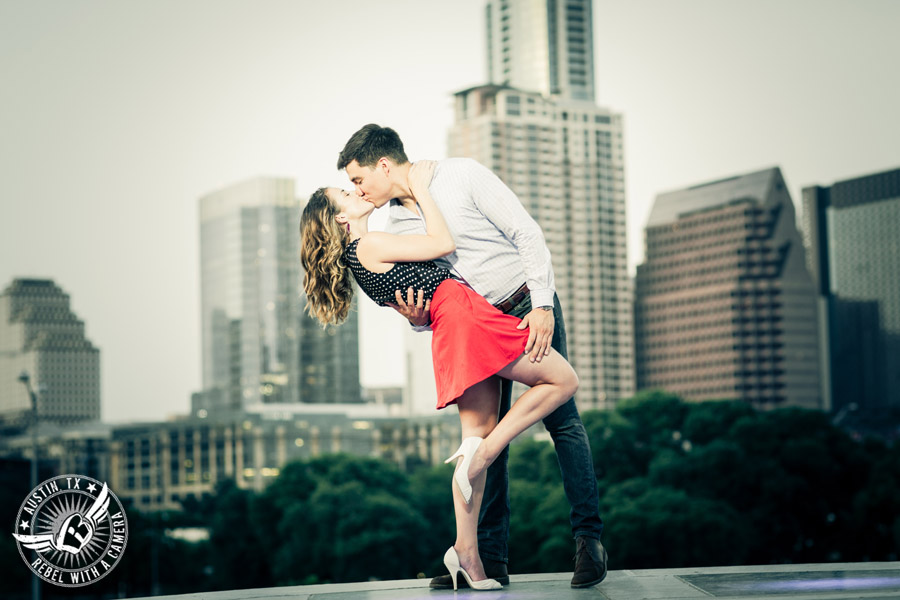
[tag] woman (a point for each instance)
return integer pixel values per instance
(472, 341)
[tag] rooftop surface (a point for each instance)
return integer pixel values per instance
(833, 581)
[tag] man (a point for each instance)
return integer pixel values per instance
(501, 253)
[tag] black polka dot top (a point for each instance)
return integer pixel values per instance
(381, 287)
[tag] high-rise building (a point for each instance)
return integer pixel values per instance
(258, 345)
(543, 46)
(724, 305)
(40, 334)
(565, 161)
(852, 233)
(537, 127)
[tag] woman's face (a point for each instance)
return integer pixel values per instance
(349, 203)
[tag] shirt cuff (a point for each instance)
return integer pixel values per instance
(420, 328)
(542, 297)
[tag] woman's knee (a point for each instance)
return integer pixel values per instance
(568, 384)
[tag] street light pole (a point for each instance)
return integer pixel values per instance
(25, 378)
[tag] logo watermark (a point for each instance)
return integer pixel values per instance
(77, 527)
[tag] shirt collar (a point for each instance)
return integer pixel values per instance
(399, 213)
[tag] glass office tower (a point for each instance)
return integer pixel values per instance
(258, 345)
(852, 232)
(544, 46)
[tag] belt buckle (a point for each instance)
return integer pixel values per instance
(513, 300)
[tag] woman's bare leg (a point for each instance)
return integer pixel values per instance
(478, 409)
(552, 381)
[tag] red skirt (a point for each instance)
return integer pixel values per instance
(471, 340)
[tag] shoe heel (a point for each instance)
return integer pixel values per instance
(455, 456)
(461, 475)
(451, 562)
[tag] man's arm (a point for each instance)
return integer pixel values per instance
(502, 208)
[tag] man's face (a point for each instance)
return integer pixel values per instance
(371, 183)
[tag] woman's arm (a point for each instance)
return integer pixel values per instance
(437, 242)
(420, 176)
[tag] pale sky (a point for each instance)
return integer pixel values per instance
(115, 117)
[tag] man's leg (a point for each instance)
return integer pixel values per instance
(573, 451)
(575, 462)
(577, 466)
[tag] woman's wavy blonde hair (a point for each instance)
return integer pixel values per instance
(328, 282)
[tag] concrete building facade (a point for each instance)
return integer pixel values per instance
(724, 305)
(40, 334)
(537, 127)
(565, 161)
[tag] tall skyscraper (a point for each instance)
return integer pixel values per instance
(852, 233)
(40, 334)
(536, 126)
(258, 345)
(543, 46)
(724, 305)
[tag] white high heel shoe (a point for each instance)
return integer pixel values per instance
(451, 561)
(461, 475)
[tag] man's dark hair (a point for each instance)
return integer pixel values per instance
(368, 145)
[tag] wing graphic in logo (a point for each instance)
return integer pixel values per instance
(76, 531)
(42, 542)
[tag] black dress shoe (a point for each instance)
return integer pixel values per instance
(590, 562)
(494, 569)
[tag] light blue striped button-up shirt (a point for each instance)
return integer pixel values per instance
(498, 245)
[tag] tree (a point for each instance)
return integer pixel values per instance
(651, 526)
(617, 451)
(540, 539)
(875, 517)
(430, 493)
(240, 543)
(708, 421)
(655, 415)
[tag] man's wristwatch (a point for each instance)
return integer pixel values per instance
(547, 308)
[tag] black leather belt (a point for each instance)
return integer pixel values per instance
(513, 301)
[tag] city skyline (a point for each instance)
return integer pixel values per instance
(113, 135)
